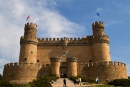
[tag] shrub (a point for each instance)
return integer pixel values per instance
(44, 81)
(120, 82)
(7, 84)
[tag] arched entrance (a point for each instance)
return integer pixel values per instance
(63, 71)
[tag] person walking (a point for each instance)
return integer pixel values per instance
(64, 81)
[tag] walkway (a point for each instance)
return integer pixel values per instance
(59, 83)
(69, 83)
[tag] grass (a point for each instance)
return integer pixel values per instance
(104, 85)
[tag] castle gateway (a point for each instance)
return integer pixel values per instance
(86, 57)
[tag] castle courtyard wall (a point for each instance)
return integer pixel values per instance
(22, 73)
(103, 70)
(83, 53)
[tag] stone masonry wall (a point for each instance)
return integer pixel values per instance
(103, 70)
(83, 53)
(22, 73)
(101, 52)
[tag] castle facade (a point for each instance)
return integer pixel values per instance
(88, 57)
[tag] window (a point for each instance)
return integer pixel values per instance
(90, 61)
(37, 60)
(31, 52)
(64, 54)
(25, 59)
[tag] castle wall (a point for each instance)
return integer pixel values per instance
(22, 73)
(83, 53)
(100, 52)
(103, 70)
(28, 53)
(44, 53)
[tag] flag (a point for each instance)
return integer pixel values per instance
(98, 14)
(28, 17)
(84, 36)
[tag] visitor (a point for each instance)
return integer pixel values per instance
(97, 80)
(64, 81)
(79, 79)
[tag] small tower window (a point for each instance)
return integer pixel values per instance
(64, 54)
(38, 61)
(90, 61)
(25, 59)
(31, 52)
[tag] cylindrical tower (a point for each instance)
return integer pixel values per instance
(71, 66)
(28, 44)
(100, 43)
(55, 66)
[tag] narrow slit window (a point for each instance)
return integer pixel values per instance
(38, 61)
(25, 59)
(90, 61)
(31, 52)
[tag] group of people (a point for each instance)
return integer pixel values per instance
(77, 81)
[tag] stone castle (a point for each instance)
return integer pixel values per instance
(88, 57)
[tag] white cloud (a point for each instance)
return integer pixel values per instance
(43, 13)
(99, 9)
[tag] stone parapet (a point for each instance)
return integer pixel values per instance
(55, 59)
(22, 73)
(25, 40)
(98, 25)
(103, 70)
(72, 59)
(100, 39)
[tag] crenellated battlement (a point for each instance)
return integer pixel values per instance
(101, 38)
(57, 39)
(98, 25)
(26, 40)
(20, 64)
(106, 63)
(72, 59)
(30, 26)
(89, 40)
(55, 59)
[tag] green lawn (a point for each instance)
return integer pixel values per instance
(104, 86)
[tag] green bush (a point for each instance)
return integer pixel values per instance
(44, 81)
(40, 83)
(6, 84)
(120, 82)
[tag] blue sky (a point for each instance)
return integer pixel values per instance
(64, 18)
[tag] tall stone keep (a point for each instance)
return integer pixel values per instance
(71, 66)
(28, 44)
(100, 43)
(55, 66)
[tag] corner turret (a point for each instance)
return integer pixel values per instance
(71, 66)
(98, 28)
(30, 31)
(55, 65)
(100, 43)
(28, 43)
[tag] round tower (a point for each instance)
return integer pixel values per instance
(55, 66)
(28, 44)
(71, 66)
(100, 43)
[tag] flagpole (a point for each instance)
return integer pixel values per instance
(28, 20)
